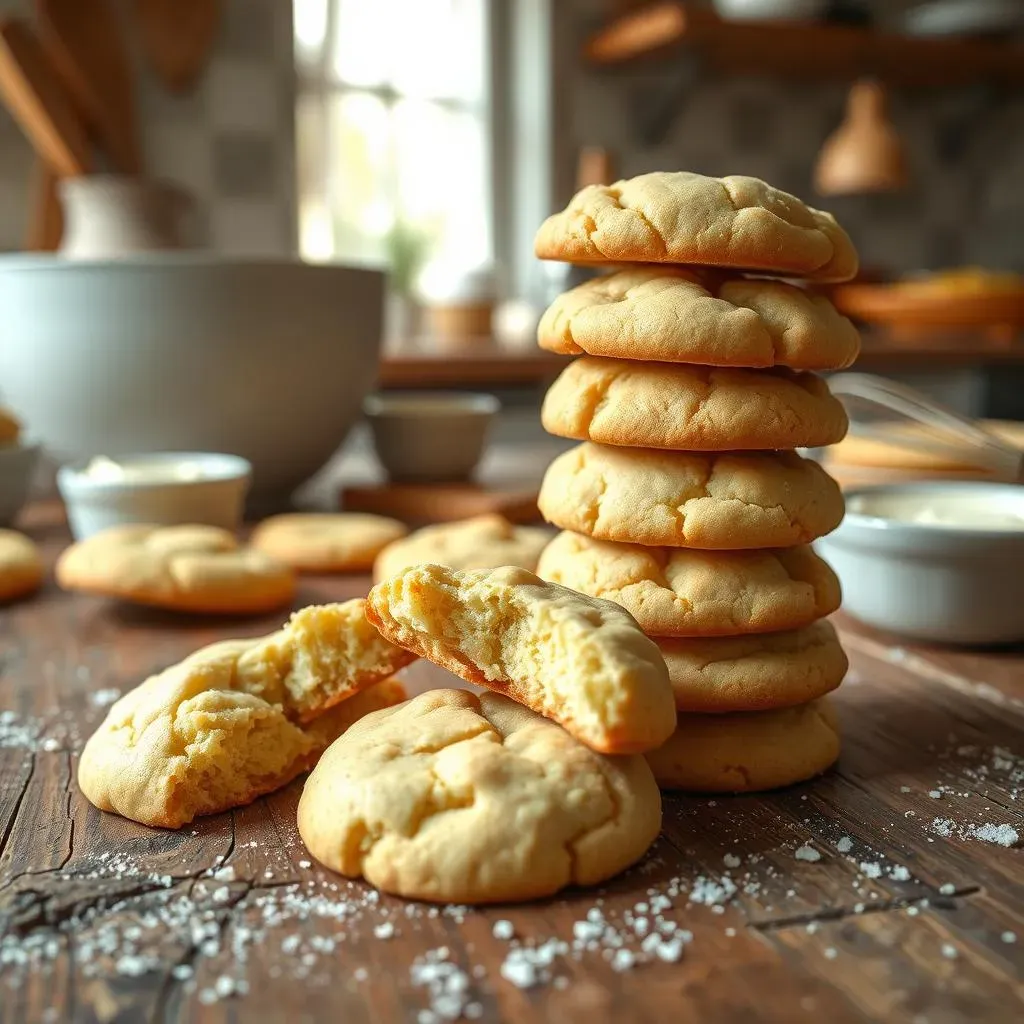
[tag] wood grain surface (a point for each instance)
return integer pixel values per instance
(872, 894)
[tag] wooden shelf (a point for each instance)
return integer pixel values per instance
(802, 49)
(488, 365)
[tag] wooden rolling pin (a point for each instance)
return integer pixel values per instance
(32, 92)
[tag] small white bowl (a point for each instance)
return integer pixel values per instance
(960, 583)
(431, 436)
(149, 492)
(17, 467)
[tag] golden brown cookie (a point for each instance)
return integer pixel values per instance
(483, 542)
(21, 568)
(691, 408)
(10, 427)
(683, 499)
(326, 542)
(239, 718)
(748, 752)
(454, 798)
(182, 568)
(582, 662)
(683, 315)
(685, 592)
(680, 217)
(754, 673)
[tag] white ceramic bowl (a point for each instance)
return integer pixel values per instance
(216, 497)
(266, 359)
(930, 580)
(430, 436)
(17, 468)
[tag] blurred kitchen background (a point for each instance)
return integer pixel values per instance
(433, 136)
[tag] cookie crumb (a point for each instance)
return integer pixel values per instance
(808, 853)
(844, 844)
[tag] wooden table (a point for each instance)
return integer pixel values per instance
(872, 894)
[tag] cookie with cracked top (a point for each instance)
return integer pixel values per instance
(692, 593)
(733, 500)
(691, 408)
(451, 797)
(681, 217)
(691, 315)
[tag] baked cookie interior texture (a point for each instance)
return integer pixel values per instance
(454, 797)
(326, 542)
(690, 315)
(188, 568)
(582, 662)
(21, 568)
(239, 718)
(681, 217)
(727, 500)
(481, 542)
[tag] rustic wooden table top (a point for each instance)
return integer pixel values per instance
(889, 890)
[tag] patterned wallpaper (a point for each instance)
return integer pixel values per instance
(964, 207)
(229, 141)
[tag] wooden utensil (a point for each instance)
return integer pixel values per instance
(46, 219)
(84, 40)
(33, 93)
(177, 36)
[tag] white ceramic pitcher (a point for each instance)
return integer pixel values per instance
(107, 216)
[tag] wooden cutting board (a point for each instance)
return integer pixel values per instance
(420, 504)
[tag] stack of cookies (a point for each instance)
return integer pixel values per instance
(686, 501)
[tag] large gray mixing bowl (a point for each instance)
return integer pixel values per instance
(267, 359)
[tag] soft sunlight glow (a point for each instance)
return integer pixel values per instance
(397, 134)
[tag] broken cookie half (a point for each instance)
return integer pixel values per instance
(581, 661)
(239, 718)
(454, 797)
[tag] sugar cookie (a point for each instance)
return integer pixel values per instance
(685, 592)
(582, 662)
(483, 542)
(21, 569)
(183, 568)
(754, 673)
(681, 217)
(683, 315)
(691, 408)
(326, 542)
(239, 718)
(454, 798)
(690, 499)
(748, 753)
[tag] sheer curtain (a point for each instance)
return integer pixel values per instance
(393, 129)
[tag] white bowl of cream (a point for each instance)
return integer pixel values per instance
(161, 488)
(941, 561)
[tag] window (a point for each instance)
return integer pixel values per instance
(393, 130)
